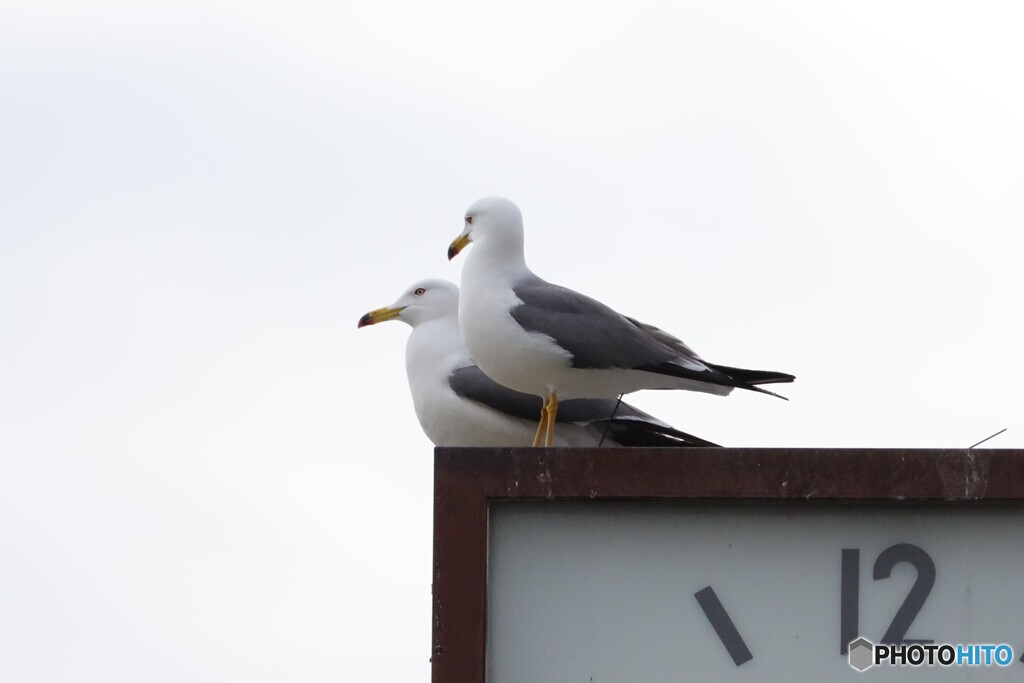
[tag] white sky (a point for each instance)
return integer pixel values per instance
(207, 473)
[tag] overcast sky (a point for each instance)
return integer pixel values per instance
(208, 474)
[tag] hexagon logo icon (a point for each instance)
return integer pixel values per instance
(862, 654)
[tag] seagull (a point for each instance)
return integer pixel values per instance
(549, 341)
(458, 405)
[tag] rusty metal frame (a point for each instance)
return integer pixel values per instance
(468, 480)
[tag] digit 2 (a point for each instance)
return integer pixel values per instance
(849, 598)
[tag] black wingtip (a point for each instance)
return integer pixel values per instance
(640, 434)
(744, 376)
(759, 390)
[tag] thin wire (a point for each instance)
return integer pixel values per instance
(987, 438)
(608, 425)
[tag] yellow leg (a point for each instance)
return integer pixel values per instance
(551, 410)
(541, 426)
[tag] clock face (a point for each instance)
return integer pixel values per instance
(659, 591)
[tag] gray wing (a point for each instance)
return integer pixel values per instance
(471, 383)
(665, 338)
(597, 336)
(623, 424)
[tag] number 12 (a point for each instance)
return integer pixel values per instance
(849, 610)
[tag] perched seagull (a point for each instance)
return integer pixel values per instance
(552, 342)
(458, 405)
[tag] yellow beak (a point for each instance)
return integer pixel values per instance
(379, 316)
(458, 245)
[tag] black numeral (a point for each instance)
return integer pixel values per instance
(905, 615)
(723, 625)
(849, 595)
(849, 599)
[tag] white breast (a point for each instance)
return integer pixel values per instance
(508, 354)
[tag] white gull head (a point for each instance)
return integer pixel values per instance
(495, 225)
(422, 302)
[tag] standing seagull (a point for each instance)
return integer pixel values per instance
(552, 342)
(458, 405)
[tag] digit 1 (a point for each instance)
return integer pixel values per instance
(849, 599)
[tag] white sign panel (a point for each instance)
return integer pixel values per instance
(605, 592)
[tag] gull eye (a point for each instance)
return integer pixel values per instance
(419, 291)
(469, 219)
